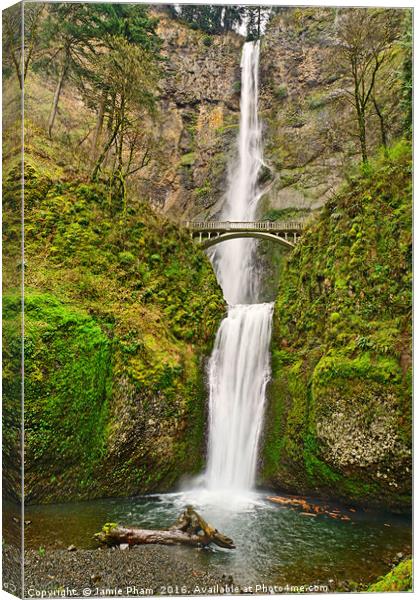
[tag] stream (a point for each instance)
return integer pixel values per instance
(274, 545)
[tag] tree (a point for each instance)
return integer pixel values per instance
(83, 31)
(12, 38)
(129, 74)
(131, 22)
(211, 18)
(406, 73)
(253, 22)
(365, 38)
(68, 36)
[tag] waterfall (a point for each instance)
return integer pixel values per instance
(234, 261)
(239, 367)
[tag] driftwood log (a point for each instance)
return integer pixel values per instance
(190, 529)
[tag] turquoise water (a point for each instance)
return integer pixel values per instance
(274, 544)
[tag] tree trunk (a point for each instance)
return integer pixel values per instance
(362, 131)
(190, 529)
(99, 124)
(382, 122)
(57, 94)
(363, 139)
(101, 158)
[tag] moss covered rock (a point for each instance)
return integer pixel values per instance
(339, 418)
(398, 580)
(121, 309)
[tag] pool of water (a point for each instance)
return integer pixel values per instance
(275, 543)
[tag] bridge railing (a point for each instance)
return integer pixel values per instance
(243, 225)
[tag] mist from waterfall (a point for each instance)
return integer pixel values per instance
(239, 367)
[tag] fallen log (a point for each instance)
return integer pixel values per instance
(190, 529)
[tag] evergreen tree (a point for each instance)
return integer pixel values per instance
(211, 18)
(253, 22)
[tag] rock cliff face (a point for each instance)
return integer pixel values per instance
(197, 122)
(309, 124)
(121, 311)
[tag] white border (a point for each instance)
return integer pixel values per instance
(325, 3)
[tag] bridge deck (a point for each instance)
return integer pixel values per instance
(223, 226)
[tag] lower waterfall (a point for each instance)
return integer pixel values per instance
(238, 373)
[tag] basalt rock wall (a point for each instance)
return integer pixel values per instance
(197, 122)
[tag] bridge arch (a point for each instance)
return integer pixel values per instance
(210, 233)
(262, 235)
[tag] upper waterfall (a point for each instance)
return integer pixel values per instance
(233, 261)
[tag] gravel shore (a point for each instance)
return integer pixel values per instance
(139, 571)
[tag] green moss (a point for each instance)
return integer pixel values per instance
(207, 40)
(204, 191)
(281, 92)
(318, 472)
(316, 100)
(237, 87)
(187, 160)
(400, 579)
(341, 340)
(67, 383)
(335, 367)
(120, 311)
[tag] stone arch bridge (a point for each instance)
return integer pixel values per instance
(209, 233)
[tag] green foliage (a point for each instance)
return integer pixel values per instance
(354, 261)
(318, 472)
(316, 101)
(209, 18)
(83, 29)
(202, 192)
(253, 22)
(129, 74)
(14, 25)
(281, 92)
(187, 160)
(407, 71)
(67, 375)
(111, 53)
(400, 579)
(119, 312)
(342, 332)
(237, 86)
(333, 367)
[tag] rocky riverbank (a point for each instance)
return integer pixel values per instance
(145, 570)
(156, 570)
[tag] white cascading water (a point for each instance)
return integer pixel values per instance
(239, 368)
